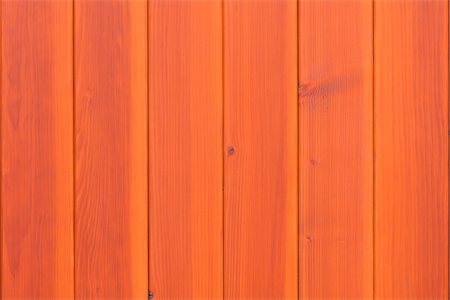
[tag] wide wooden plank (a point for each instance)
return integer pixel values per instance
(111, 240)
(185, 130)
(260, 122)
(37, 150)
(335, 149)
(411, 148)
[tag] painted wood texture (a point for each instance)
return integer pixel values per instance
(224, 149)
(260, 117)
(335, 149)
(411, 175)
(111, 239)
(36, 154)
(185, 127)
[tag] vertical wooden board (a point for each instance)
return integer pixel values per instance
(37, 150)
(111, 253)
(260, 117)
(185, 130)
(411, 176)
(335, 149)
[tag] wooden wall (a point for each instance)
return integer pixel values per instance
(224, 149)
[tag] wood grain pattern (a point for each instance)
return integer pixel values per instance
(185, 113)
(260, 117)
(411, 182)
(111, 253)
(36, 156)
(184, 161)
(335, 149)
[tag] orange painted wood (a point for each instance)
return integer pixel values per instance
(411, 148)
(37, 150)
(185, 132)
(111, 238)
(260, 117)
(335, 149)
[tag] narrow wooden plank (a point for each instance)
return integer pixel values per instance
(185, 113)
(111, 253)
(37, 150)
(335, 149)
(261, 187)
(411, 146)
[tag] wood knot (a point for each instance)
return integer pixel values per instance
(230, 151)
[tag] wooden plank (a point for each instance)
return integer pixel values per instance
(37, 150)
(411, 178)
(185, 113)
(260, 117)
(335, 149)
(111, 238)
